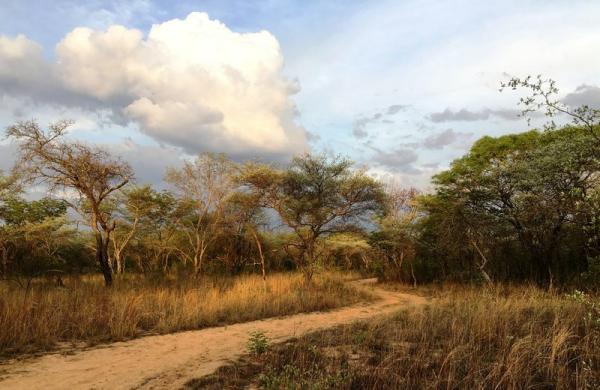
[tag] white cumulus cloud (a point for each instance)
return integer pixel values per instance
(192, 83)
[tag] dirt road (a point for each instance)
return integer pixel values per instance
(168, 361)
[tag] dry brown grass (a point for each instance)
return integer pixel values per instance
(38, 318)
(467, 338)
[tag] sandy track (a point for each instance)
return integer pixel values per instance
(168, 361)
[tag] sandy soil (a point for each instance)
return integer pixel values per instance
(168, 361)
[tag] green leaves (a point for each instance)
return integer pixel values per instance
(16, 211)
(519, 191)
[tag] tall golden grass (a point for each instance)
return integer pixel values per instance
(42, 316)
(466, 338)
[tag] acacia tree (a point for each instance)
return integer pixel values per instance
(89, 172)
(315, 197)
(203, 186)
(132, 207)
(157, 232)
(348, 247)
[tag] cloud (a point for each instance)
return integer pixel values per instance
(399, 160)
(8, 153)
(359, 126)
(313, 137)
(192, 83)
(149, 162)
(470, 116)
(396, 108)
(447, 137)
(431, 165)
(584, 95)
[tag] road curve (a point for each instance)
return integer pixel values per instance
(168, 361)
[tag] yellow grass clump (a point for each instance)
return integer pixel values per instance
(466, 338)
(39, 317)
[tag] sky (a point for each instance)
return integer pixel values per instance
(400, 87)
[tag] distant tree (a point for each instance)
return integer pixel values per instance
(351, 250)
(395, 240)
(33, 235)
(203, 186)
(87, 172)
(17, 211)
(157, 232)
(8, 187)
(315, 197)
(133, 206)
(242, 222)
(8, 191)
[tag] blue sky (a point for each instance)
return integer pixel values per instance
(402, 86)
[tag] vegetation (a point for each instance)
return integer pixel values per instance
(315, 197)
(48, 159)
(533, 339)
(519, 207)
(228, 242)
(42, 317)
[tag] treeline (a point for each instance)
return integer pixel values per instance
(521, 207)
(218, 216)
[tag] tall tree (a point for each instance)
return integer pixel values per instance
(315, 197)
(87, 172)
(527, 187)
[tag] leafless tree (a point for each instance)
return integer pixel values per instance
(204, 184)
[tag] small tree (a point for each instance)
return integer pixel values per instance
(72, 167)
(315, 197)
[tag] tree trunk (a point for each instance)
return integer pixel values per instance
(4, 252)
(481, 266)
(308, 264)
(262, 257)
(119, 263)
(102, 258)
(308, 274)
(365, 261)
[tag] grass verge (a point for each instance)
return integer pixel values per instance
(496, 338)
(38, 318)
